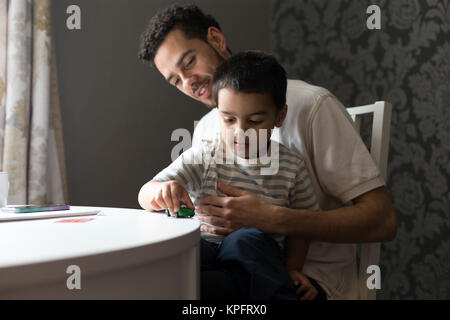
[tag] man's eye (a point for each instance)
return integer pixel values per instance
(176, 82)
(190, 62)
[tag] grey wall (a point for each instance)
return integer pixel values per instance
(118, 115)
(407, 62)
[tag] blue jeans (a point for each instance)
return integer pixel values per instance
(248, 265)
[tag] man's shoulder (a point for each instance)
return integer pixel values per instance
(305, 88)
(207, 127)
(305, 100)
(303, 95)
(212, 114)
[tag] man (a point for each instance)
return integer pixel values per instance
(186, 46)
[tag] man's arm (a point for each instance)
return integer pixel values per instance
(371, 218)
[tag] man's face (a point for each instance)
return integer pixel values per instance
(189, 65)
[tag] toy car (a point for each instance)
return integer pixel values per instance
(184, 212)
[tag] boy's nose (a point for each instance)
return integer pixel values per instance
(240, 126)
(242, 134)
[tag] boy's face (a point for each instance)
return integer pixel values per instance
(189, 64)
(239, 112)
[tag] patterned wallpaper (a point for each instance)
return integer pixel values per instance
(407, 62)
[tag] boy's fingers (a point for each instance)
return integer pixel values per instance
(308, 295)
(305, 297)
(175, 198)
(155, 205)
(167, 194)
(305, 294)
(160, 201)
(294, 281)
(187, 200)
(179, 193)
(176, 202)
(302, 289)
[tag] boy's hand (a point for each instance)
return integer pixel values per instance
(169, 196)
(302, 283)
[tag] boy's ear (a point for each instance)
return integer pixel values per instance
(281, 116)
(217, 40)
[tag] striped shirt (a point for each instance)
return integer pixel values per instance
(281, 179)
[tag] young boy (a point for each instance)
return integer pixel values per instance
(250, 91)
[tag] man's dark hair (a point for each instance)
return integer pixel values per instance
(252, 72)
(188, 18)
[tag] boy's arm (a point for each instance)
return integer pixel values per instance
(158, 195)
(296, 249)
(301, 196)
(170, 186)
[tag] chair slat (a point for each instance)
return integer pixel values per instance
(379, 149)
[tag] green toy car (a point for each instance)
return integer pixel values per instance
(184, 212)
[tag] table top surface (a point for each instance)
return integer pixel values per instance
(113, 229)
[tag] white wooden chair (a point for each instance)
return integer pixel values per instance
(379, 149)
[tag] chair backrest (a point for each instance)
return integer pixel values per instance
(379, 149)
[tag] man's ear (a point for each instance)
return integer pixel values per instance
(281, 116)
(217, 40)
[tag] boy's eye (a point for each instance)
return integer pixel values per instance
(255, 122)
(176, 82)
(228, 120)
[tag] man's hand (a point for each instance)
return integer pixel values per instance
(167, 195)
(304, 285)
(237, 210)
(370, 219)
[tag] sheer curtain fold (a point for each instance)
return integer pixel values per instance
(3, 46)
(30, 123)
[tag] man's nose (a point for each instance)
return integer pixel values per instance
(188, 80)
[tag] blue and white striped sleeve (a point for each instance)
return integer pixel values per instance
(187, 169)
(302, 195)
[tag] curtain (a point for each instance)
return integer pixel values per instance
(31, 144)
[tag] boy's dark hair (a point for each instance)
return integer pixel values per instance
(252, 72)
(188, 18)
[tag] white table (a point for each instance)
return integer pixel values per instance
(121, 253)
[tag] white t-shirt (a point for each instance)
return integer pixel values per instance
(340, 167)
